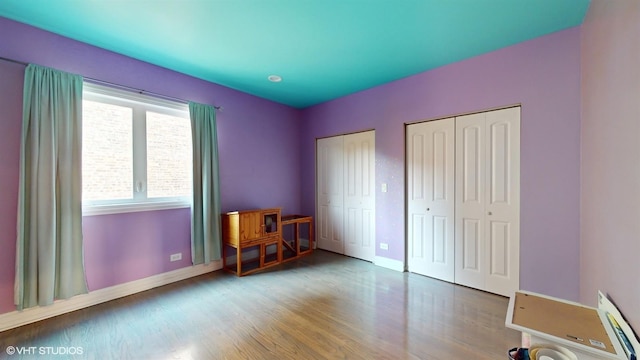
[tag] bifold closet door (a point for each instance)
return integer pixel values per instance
(359, 195)
(488, 201)
(430, 173)
(345, 189)
(329, 189)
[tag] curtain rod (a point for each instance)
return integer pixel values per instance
(139, 91)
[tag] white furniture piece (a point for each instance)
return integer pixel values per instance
(565, 330)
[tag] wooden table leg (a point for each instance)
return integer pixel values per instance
(239, 260)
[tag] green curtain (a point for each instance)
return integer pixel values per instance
(49, 256)
(205, 211)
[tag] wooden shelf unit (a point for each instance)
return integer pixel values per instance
(259, 230)
(297, 236)
(273, 237)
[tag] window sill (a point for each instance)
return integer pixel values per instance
(132, 207)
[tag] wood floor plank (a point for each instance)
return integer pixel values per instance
(323, 306)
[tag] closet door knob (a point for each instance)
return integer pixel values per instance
(490, 213)
(428, 209)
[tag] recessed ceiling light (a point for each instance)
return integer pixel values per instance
(275, 78)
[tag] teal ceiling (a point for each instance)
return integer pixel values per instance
(322, 49)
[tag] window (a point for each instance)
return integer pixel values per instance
(136, 152)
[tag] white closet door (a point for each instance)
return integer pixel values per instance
(346, 194)
(503, 201)
(329, 189)
(430, 167)
(488, 201)
(470, 200)
(359, 195)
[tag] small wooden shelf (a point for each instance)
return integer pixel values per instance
(297, 236)
(251, 230)
(266, 236)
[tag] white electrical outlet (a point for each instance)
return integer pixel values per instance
(175, 257)
(384, 187)
(384, 246)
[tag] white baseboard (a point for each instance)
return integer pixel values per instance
(384, 262)
(15, 319)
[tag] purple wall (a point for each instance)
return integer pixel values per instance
(610, 147)
(544, 76)
(258, 144)
(11, 80)
(264, 161)
(120, 248)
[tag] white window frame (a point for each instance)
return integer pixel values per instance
(140, 103)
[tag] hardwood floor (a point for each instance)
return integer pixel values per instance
(323, 306)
